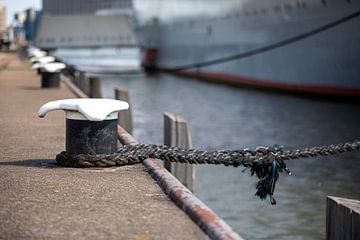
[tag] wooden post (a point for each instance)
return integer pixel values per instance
(95, 87)
(342, 219)
(176, 133)
(84, 83)
(125, 117)
(76, 78)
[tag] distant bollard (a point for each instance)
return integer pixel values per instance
(95, 87)
(125, 117)
(35, 52)
(50, 75)
(38, 62)
(44, 59)
(91, 124)
(50, 79)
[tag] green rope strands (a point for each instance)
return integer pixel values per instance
(264, 162)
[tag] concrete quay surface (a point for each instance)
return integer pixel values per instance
(39, 200)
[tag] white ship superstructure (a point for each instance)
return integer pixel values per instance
(86, 23)
(71, 7)
(325, 62)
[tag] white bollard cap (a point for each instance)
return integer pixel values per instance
(37, 53)
(91, 109)
(45, 59)
(53, 67)
(31, 49)
(49, 67)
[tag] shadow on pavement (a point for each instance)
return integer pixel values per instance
(39, 163)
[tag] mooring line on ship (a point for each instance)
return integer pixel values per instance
(117, 73)
(264, 162)
(268, 47)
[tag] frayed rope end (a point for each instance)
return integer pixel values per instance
(267, 169)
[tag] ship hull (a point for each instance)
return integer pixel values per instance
(327, 62)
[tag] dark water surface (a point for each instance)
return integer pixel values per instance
(222, 117)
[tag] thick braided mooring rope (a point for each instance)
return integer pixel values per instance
(265, 162)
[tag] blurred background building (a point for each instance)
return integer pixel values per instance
(31, 23)
(2, 18)
(23, 29)
(3, 26)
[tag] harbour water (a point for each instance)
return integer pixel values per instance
(222, 117)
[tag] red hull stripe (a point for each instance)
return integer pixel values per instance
(248, 81)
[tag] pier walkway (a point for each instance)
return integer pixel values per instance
(42, 201)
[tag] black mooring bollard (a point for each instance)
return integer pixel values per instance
(88, 137)
(50, 79)
(91, 124)
(50, 74)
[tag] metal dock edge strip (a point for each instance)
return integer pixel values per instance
(203, 216)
